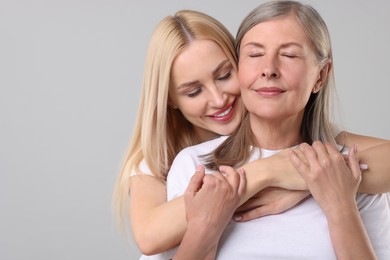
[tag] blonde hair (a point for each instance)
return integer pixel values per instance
(316, 123)
(161, 131)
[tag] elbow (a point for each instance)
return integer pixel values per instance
(147, 245)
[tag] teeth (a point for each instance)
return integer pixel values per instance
(224, 113)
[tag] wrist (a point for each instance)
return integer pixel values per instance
(200, 241)
(342, 213)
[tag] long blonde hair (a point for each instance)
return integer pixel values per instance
(161, 131)
(316, 123)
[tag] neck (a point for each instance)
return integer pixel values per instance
(276, 134)
(205, 135)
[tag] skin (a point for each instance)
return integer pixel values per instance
(278, 72)
(279, 93)
(333, 184)
(228, 185)
(209, 96)
(150, 217)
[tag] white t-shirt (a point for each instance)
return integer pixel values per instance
(144, 168)
(299, 233)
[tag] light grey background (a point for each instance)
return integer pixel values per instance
(70, 77)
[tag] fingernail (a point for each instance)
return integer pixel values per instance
(363, 166)
(237, 218)
(199, 168)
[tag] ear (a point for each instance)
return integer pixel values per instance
(171, 104)
(322, 76)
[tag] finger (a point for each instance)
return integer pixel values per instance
(196, 181)
(242, 185)
(250, 204)
(353, 162)
(230, 175)
(320, 149)
(301, 155)
(219, 174)
(309, 152)
(332, 148)
(297, 162)
(363, 166)
(253, 214)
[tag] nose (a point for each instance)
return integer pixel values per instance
(270, 68)
(217, 97)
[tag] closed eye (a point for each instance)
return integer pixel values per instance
(289, 55)
(195, 92)
(254, 55)
(226, 76)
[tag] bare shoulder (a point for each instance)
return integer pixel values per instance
(364, 141)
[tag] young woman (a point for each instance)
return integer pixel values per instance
(190, 94)
(285, 73)
(178, 110)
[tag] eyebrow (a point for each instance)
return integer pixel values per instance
(284, 45)
(215, 71)
(220, 66)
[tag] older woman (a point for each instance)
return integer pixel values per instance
(285, 73)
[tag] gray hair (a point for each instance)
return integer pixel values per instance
(315, 124)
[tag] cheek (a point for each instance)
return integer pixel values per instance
(191, 107)
(234, 86)
(245, 75)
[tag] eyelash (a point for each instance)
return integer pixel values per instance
(289, 55)
(195, 93)
(226, 76)
(254, 55)
(199, 90)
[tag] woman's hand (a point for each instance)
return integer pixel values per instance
(333, 182)
(210, 201)
(269, 201)
(284, 174)
(332, 179)
(215, 196)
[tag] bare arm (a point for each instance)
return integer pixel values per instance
(374, 152)
(151, 215)
(333, 185)
(210, 202)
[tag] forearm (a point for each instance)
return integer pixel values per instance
(151, 216)
(199, 242)
(275, 171)
(376, 179)
(374, 152)
(348, 235)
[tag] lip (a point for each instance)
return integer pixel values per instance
(270, 91)
(224, 114)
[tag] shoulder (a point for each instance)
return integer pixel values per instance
(143, 169)
(185, 164)
(336, 129)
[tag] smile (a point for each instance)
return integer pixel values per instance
(225, 113)
(270, 91)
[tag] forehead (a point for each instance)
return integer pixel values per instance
(278, 30)
(199, 49)
(197, 60)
